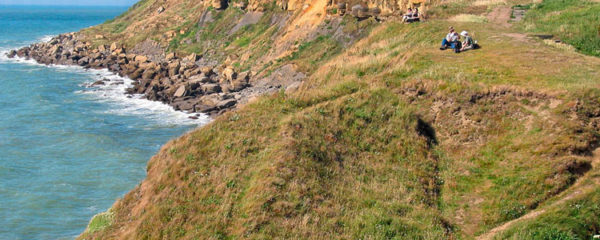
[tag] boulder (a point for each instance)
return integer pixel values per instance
(239, 83)
(149, 65)
(184, 105)
(201, 78)
(160, 10)
(173, 68)
(141, 59)
(229, 74)
(201, 107)
(98, 83)
(192, 58)
(114, 46)
(136, 74)
(11, 54)
(207, 71)
(226, 103)
(180, 92)
(83, 61)
(23, 52)
(210, 88)
(119, 50)
(130, 57)
(56, 49)
(191, 72)
(359, 11)
(170, 56)
(149, 73)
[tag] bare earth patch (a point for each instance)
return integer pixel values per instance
(500, 16)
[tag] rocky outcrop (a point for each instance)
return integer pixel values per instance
(179, 82)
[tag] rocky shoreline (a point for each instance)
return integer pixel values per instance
(179, 82)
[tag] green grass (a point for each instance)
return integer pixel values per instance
(575, 219)
(100, 221)
(573, 21)
(311, 53)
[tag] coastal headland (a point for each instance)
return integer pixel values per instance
(352, 124)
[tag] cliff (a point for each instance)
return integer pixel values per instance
(356, 126)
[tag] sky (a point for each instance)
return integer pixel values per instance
(70, 2)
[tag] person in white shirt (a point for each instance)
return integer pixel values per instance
(451, 40)
(408, 15)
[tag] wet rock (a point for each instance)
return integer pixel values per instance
(11, 54)
(98, 83)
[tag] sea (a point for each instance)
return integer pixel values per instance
(68, 150)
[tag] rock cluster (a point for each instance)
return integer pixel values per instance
(179, 82)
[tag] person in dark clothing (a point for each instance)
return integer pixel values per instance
(408, 15)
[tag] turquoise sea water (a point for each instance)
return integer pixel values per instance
(67, 152)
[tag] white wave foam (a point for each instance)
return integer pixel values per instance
(46, 38)
(113, 92)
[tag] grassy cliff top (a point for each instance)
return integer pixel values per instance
(391, 138)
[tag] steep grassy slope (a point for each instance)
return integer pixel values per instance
(389, 138)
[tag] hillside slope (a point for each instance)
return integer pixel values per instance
(386, 138)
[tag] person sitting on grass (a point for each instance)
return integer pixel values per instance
(468, 43)
(408, 15)
(451, 40)
(416, 14)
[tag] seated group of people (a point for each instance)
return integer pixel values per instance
(452, 40)
(411, 16)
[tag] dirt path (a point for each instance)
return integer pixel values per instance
(500, 16)
(579, 190)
